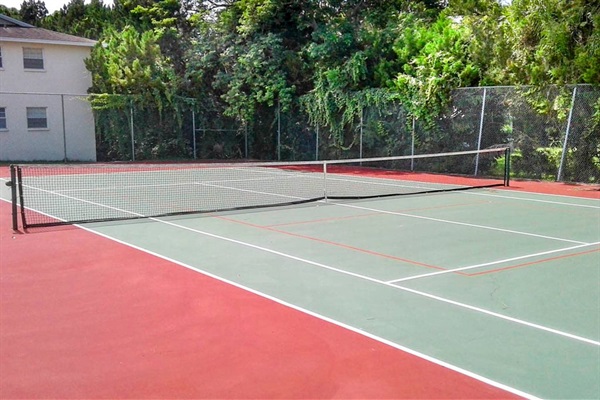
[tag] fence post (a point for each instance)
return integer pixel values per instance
(317, 144)
(412, 145)
(131, 129)
(64, 127)
(245, 139)
(360, 149)
(565, 144)
(278, 130)
(194, 133)
(325, 181)
(480, 130)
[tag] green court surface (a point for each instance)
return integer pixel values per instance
(524, 309)
(499, 283)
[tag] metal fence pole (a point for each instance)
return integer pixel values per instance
(317, 144)
(64, 127)
(131, 129)
(360, 150)
(565, 144)
(325, 181)
(194, 133)
(480, 130)
(278, 131)
(412, 146)
(245, 139)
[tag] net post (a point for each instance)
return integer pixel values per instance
(13, 197)
(507, 167)
(20, 189)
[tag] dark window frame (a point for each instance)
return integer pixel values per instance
(3, 121)
(30, 61)
(37, 122)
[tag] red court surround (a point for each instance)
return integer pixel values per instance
(85, 317)
(82, 316)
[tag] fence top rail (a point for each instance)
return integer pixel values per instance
(525, 86)
(496, 150)
(46, 93)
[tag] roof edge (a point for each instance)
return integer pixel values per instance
(15, 21)
(92, 43)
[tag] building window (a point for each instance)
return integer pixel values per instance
(2, 117)
(36, 117)
(0, 57)
(33, 58)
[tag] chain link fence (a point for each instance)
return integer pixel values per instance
(554, 133)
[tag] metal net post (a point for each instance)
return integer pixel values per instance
(13, 197)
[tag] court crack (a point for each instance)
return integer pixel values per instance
(498, 300)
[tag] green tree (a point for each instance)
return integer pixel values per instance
(435, 60)
(135, 80)
(81, 19)
(33, 11)
(486, 29)
(9, 11)
(353, 62)
(247, 59)
(129, 62)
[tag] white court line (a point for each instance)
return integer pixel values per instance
(78, 199)
(460, 223)
(167, 185)
(438, 298)
(60, 193)
(363, 277)
(448, 271)
(367, 278)
(350, 206)
(326, 319)
(368, 180)
(538, 200)
(314, 314)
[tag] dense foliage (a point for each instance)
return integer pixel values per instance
(331, 59)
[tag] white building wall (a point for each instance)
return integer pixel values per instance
(74, 140)
(63, 76)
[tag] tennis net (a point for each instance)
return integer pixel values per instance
(47, 195)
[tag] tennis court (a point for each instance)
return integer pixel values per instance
(484, 293)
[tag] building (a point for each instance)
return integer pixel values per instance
(44, 114)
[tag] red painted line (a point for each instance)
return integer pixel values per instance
(534, 262)
(376, 213)
(85, 317)
(591, 191)
(328, 242)
(320, 220)
(556, 188)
